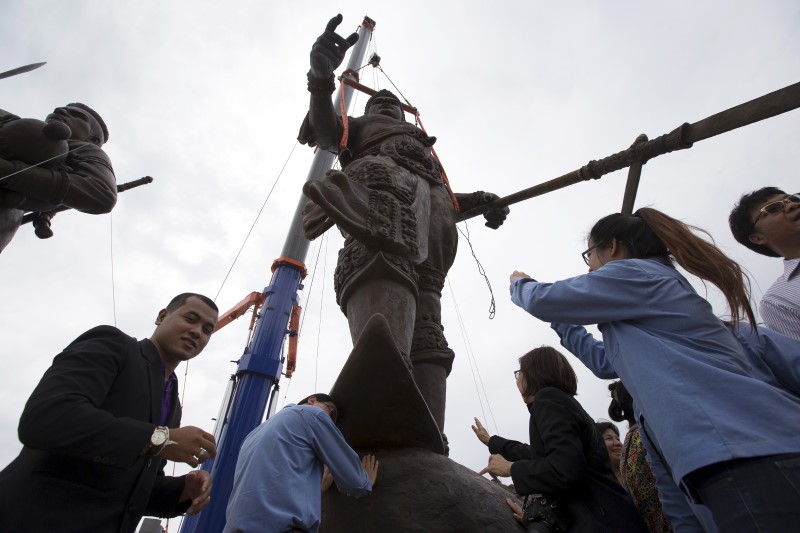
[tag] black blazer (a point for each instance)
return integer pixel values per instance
(83, 430)
(568, 459)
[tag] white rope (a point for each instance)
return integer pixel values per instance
(321, 304)
(111, 254)
(275, 183)
(8, 176)
(473, 364)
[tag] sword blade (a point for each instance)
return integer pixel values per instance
(21, 70)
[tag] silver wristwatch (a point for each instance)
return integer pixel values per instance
(159, 437)
(160, 440)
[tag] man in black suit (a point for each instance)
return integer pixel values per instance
(100, 425)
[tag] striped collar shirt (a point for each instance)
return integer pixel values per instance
(780, 307)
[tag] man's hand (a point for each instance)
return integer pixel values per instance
(517, 275)
(192, 446)
(481, 432)
(516, 509)
(197, 488)
(497, 466)
(495, 217)
(329, 50)
(370, 464)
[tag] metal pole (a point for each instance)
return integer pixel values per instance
(259, 369)
(684, 136)
(20, 70)
(632, 185)
(122, 187)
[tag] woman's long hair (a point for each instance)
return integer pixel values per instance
(621, 407)
(651, 233)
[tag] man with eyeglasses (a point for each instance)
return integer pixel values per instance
(276, 486)
(767, 221)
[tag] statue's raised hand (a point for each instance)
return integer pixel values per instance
(329, 50)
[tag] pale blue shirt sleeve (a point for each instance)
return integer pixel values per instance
(277, 482)
(583, 345)
(779, 352)
(593, 298)
(342, 461)
(782, 355)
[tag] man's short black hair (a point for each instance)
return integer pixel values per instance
(180, 299)
(321, 397)
(324, 398)
(740, 223)
(96, 116)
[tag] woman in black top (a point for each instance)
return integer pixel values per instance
(564, 472)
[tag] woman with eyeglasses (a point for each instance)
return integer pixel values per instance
(730, 440)
(564, 473)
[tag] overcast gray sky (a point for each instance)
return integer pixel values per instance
(207, 98)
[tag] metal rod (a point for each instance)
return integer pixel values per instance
(21, 70)
(632, 185)
(372, 92)
(764, 107)
(28, 217)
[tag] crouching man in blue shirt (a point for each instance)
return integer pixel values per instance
(276, 486)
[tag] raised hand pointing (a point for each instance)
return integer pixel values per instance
(329, 50)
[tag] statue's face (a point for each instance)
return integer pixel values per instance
(83, 125)
(386, 106)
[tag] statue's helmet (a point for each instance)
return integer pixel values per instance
(384, 93)
(95, 115)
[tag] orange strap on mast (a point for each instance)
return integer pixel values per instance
(348, 77)
(345, 121)
(436, 157)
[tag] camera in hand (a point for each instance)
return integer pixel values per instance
(545, 514)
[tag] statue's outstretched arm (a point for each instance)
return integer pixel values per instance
(322, 126)
(494, 218)
(85, 182)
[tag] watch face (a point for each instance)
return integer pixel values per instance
(159, 437)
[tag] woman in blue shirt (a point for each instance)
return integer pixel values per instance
(729, 439)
